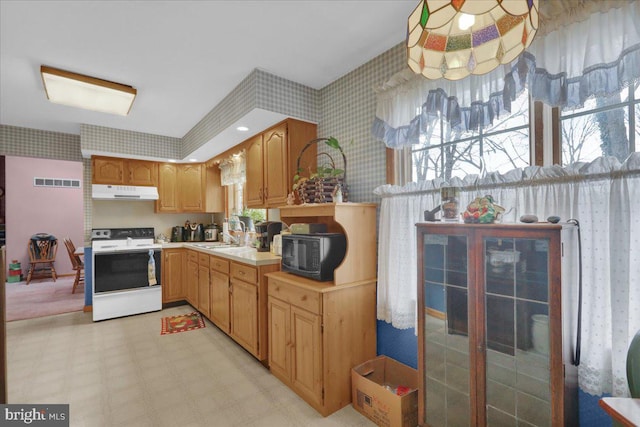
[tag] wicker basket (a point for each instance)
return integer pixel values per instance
(321, 189)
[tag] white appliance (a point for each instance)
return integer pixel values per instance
(123, 192)
(126, 272)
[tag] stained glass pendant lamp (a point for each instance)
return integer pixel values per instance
(455, 38)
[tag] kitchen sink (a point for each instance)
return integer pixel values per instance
(212, 245)
(233, 249)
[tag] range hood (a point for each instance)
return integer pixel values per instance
(123, 192)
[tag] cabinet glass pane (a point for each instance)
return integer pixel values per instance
(516, 287)
(446, 361)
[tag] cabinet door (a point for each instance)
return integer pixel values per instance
(215, 192)
(192, 283)
(107, 170)
(172, 275)
(445, 341)
(280, 338)
(514, 292)
(254, 174)
(167, 188)
(190, 188)
(276, 183)
(204, 298)
(244, 315)
(306, 359)
(220, 302)
(140, 172)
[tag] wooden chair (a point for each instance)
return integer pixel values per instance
(76, 262)
(42, 254)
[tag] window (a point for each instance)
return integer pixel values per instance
(235, 198)
(444, 152)
(605, 126)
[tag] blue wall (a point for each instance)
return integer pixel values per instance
(402, 345)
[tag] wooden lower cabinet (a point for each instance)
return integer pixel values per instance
(203, 285)
(220, 293)
(317, 333)
(172, 275)
(191, 278)
(248, 307)
(244, 315)
(295, 349)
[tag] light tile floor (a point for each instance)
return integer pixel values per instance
(122, 372)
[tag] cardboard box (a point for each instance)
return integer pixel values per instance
(371, 385)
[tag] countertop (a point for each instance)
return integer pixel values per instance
(243, 254)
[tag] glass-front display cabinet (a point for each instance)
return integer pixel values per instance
(497, 324)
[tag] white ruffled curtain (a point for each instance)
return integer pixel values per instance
(233, 169)
(583, 48)
(604, 196)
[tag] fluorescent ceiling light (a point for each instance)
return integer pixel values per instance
(77, 90)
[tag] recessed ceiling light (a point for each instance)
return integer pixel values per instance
(242, 128)
(77, 90)
(193, 160)
(172, 160)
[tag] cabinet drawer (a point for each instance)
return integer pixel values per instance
(219, 264)
(192, 256)
(295, 295)
(203, 260)
(244, 272)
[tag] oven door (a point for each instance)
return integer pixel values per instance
(119, 271)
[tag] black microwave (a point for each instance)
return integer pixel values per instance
(313, 255)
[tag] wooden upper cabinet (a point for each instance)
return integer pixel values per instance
(271, 162)
(107, 170)
(215, 194)
(276, 184)
(141, 172)
(167, 188)
(191, 185)
(117, 171)
(254, 189)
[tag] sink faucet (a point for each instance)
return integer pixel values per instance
(234, 240)
(243, 226)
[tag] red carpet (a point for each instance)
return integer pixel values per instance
(42, 297)
(182, 323)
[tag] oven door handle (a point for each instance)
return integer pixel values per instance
(131, 251)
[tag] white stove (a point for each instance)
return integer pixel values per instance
(126, 272)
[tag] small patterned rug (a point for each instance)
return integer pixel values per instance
(182, 323)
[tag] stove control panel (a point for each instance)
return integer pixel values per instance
(122, 233)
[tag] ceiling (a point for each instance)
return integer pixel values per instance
(183, 57)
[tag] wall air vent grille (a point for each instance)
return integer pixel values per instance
(56, 182)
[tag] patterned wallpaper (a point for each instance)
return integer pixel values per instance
(348, 108)
(23, 142)
(129, 143)
(258, 90)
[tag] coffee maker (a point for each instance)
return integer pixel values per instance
(264, 233)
